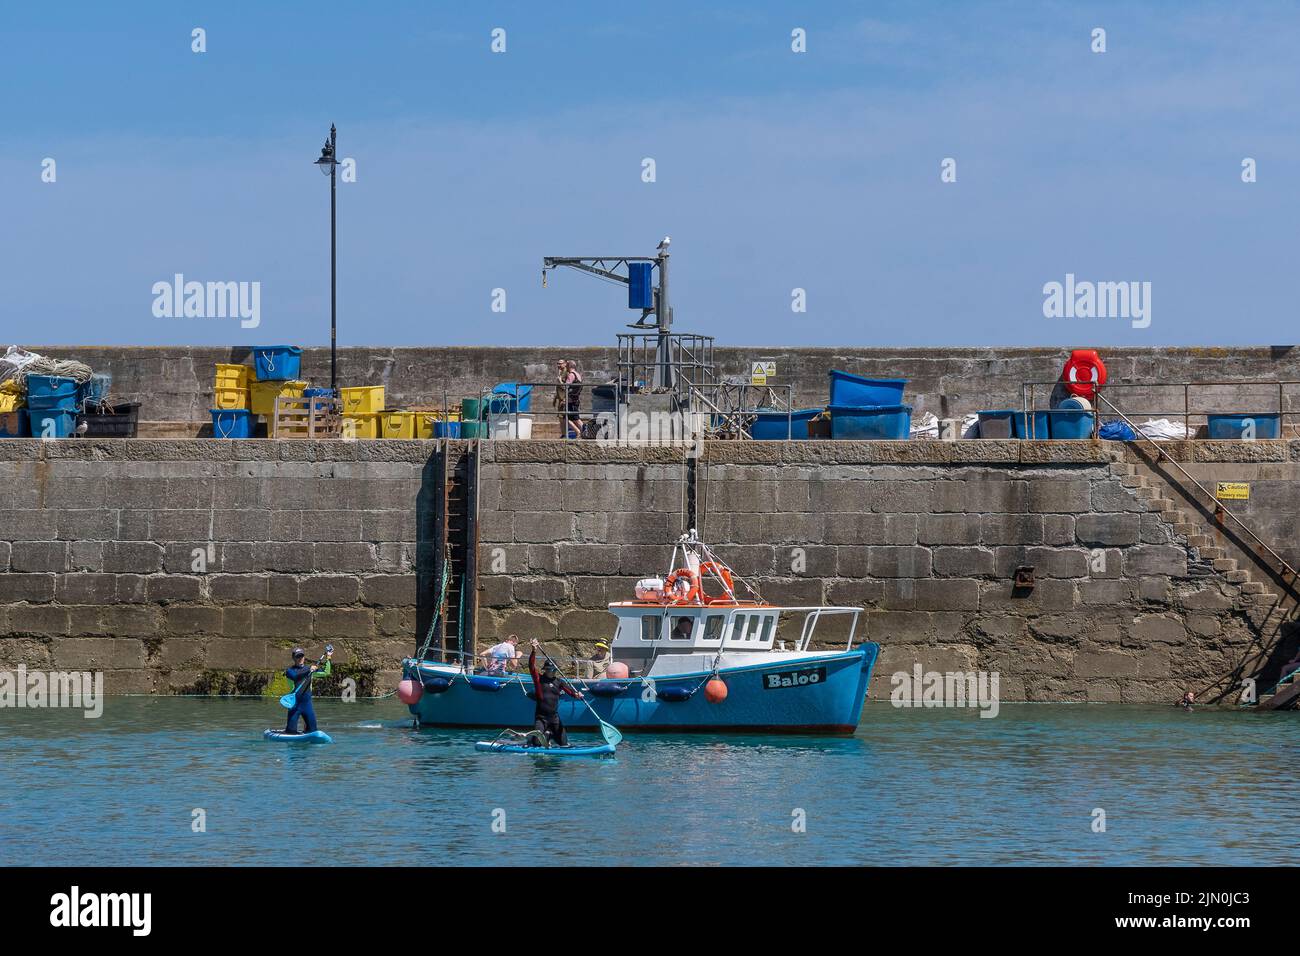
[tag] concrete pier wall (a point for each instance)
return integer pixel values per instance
(174, 383)
(172, 565)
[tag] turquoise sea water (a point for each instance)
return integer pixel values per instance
(911, 787)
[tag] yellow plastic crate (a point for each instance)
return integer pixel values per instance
(227, 398)
(363, 400)
(397, 425)
(8, 402)
(232, 376)
(361, 426)
(424, 424)
(264, 395)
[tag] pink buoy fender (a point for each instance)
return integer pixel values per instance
(617, 670)
(1084, 373)
(409, 691)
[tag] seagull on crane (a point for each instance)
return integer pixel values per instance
(663, 243)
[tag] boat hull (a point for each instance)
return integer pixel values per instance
(814, 694)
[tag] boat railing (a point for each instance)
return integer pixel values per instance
(813, 617)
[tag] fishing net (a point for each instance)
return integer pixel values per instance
(17, 363)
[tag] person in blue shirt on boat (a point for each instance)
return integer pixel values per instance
(300, 674)
(547, 688)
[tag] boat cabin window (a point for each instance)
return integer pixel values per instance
(651, 625)
(738, 627)
(683, 627)
(713, 627)
(766, 637)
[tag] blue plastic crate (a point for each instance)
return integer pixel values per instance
(277, 363)
(1231, 427)
(1070, 423)
(773, 425)
(446, 429)
(15, 424)
(1030, 425)
(856, 391)
(868, 422)
(232, 423)
(52, 392)
(52, 422)
(507, 395)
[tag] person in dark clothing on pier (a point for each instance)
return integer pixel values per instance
(547, 687)
(300, 675)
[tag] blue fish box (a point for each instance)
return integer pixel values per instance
(865, 423)
(52, 392)
(52, 422)
(95, 391)
(446, 429)
(1070, 423)
(232, 423)
(510, 397)
(1030, 425)
(277, 363)
(318, 392)
(774, 426)
(1230, 427)
(14, 424)
(854, 390)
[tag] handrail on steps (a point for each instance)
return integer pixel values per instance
(1286, 568)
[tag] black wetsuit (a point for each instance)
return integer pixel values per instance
(546, 717)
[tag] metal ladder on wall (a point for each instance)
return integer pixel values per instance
(455, 549)
(1286, 693)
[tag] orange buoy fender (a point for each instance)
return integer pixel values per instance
(715, 691)
(1084, 372)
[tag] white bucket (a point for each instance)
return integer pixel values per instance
(503, 426)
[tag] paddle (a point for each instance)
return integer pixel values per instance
(288, 700)
(608, 731)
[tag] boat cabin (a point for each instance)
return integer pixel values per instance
(649, 631)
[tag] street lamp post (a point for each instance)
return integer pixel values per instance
(328, 163)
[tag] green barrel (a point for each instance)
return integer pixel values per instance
(471, 429)
(470, 410)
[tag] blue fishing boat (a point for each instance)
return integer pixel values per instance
(688, 654)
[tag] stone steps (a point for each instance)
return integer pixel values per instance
(1154, 498)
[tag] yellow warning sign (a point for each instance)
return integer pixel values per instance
(760, 372)
(1232, 491)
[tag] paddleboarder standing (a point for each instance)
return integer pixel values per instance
(300, 674)
(547, 687)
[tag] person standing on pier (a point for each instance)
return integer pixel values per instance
(547, 687)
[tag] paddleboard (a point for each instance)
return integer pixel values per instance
(597, 750)
(315, 737)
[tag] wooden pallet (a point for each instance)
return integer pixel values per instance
(315, 418)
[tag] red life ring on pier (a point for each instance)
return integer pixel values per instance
(1084, 373)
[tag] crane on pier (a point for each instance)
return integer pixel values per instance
(651, 298)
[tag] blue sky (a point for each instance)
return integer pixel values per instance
(775, 170)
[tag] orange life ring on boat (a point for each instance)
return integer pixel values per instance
(723, 572)
(1084, 373)
(692, 593)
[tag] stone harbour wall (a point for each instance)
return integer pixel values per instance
(195, 565)
(174, 383)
